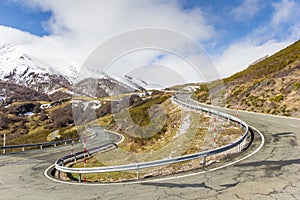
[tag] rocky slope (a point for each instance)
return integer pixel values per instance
(11, 92)
(101, 87)
(269, 86)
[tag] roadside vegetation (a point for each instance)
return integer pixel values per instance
(269, 86)
(191, 133)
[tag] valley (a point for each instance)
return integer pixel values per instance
(33, 105)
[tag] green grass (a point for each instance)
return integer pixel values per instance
(193, 139)
(35, 137)
(296, 85)
(60, 106)
(102, 121)
(270, 65)
(103, 177)
(277, 98)
(136, 139)
(140, 113)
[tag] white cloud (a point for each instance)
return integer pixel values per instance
(15, 36)
(248, 8)
(267, 39)
(239, 56)
(78, 27)
(285, 11)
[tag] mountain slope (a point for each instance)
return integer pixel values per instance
(101, 87)
(20, 68)
(11, 92)
(270, 86)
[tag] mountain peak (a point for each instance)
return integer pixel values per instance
(14, 61)
(17, 66)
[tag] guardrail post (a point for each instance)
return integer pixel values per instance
(54, 144)
(204, 162)
(215, 135)
(79, 178)
(84, 157)
(72, 150)
(23, 149)
(137, 173)
(237, 109)
(4, 142)
(41, 147)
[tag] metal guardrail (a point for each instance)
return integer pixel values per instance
(214, 112)
(45, 144)
(70, 158)
(59, 164)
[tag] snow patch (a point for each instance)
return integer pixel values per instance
(186, 122)
(29, 113)
(53, 91)
(94, 104)
(45, 106)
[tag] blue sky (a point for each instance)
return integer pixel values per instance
(235, 23)
(21, 17)
(222, 27)
(218, 12)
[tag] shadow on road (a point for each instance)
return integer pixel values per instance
(280, 163)
(280, 134)
(174, 185)
(285, 135)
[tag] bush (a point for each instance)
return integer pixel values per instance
(43, 116)
(4, 120)
(62, 117)
(22, 108)
(296, 85)
(277, 98)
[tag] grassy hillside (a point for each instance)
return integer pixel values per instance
(283, 60)
(35, 121)
(270, 86)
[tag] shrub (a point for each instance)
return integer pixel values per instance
(296, 85)
(62, 117)
(22, 108)
(277, 98)
(4, 120)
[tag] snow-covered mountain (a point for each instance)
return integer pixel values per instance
(102, 87)
(55, 79)
(23, 69)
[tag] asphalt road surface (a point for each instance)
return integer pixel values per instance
(272, 173)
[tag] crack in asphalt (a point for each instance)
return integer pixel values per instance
(274, 173)
(173, 185)
(227, 186)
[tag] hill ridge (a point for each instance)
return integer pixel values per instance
(270, 86)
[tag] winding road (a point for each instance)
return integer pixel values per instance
(272, 173)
